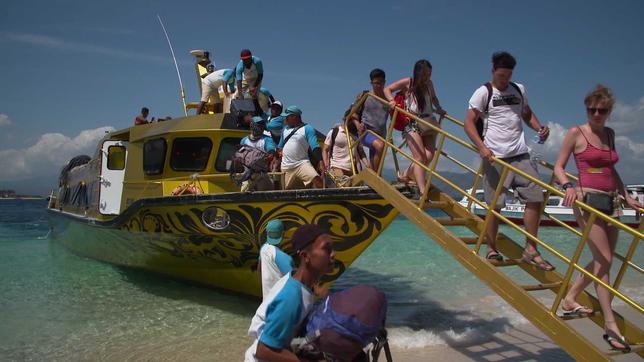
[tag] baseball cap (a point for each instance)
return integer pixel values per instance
(274, 231)
(257, 119)
(277, 103)
(291, 110)
(305, 235)
(245, 54)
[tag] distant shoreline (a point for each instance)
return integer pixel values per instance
(23, 198)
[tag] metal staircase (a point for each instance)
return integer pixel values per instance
(465, 251)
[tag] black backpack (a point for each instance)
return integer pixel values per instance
(480, 122)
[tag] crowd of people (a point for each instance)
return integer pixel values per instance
(494, 122)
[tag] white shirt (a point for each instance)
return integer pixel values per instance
(340, 154)
(215, 79)
(296, 151)
(274, 265)
(504, 134)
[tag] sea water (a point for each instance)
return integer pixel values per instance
(55, 305)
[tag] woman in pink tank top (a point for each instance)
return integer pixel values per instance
(593, 147)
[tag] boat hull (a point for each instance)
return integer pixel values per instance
(168, 235)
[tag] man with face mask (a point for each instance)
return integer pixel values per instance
(257, 139)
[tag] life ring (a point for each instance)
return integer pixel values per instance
(186, 189)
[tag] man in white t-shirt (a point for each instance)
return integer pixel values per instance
(297, 137)
(273, 262)
(210, 85)
(282, 312)
(502, 105)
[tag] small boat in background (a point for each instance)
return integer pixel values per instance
(515, 208)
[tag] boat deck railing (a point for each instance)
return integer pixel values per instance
(432, 197)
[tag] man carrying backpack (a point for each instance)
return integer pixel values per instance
(259, 181)
(282, 312)
(296, 140)
(373, 117)
(501, 105)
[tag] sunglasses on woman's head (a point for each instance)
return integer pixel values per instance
(601, 111)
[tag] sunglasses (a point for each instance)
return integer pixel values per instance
(601, 111)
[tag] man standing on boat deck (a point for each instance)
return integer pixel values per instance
(224, 78)
(273, 262)
(142, 118)
(282, 312)
(275, 121)
(373, 117)
(249, 74)
(257, 139)
(295, 142)
(502, 105)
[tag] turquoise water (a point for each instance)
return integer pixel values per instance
(58, 306)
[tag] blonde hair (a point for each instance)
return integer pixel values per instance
(601, 93)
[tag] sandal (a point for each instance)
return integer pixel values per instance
(493, 255)
(577, 311)
(543, 265)
(619, 339)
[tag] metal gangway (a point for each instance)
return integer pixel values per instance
(466, 249)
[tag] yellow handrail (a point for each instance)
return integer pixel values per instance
(506, 169)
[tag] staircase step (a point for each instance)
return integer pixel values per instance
(457, 221)
(505, 262)
(436, 204)
(541, 286)
(635, 348)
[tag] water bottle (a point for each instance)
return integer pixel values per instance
(537, 147)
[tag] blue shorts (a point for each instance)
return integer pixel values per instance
(368, 140)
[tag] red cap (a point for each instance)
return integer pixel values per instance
(245, 54)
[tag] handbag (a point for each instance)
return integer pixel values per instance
(401, 120)
(601, 202)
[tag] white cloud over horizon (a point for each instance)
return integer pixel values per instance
(4, 120)
(48, 154)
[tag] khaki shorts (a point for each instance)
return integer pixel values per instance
(300, 177)
(212, 94)
(524, 189)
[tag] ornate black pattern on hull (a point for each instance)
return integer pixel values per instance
(349, 222)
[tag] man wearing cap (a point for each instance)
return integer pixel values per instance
(275, 121)
(273, 262)
(249, 74)
(210, 85)
(257, 139)
(296, 139)
(282, 312)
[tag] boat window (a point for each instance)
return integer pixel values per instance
(115, 157)
(154, 156)
(190, 154)
(226, 151)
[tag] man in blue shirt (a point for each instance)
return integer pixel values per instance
(257, 139)
(282, 312)
(275, 121)
(297, 138)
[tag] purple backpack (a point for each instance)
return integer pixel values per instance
(345, 322)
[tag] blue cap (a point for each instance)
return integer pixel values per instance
(291, 110)
(274, 232)
(257, 119)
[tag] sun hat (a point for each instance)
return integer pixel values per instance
(291, 110)
(274, 232)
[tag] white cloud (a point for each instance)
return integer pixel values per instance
(61, 44)
(627, 118)
(4, 120)
(48, 154)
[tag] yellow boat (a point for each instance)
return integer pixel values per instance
(119, 206)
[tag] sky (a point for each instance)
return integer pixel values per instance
(71, 70)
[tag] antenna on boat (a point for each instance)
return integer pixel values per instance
(183, 95)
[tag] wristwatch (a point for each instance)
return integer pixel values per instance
(566, 186)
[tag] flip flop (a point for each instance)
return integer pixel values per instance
(493, 255)
(577, 311)
(543, 265)
(620, 339)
